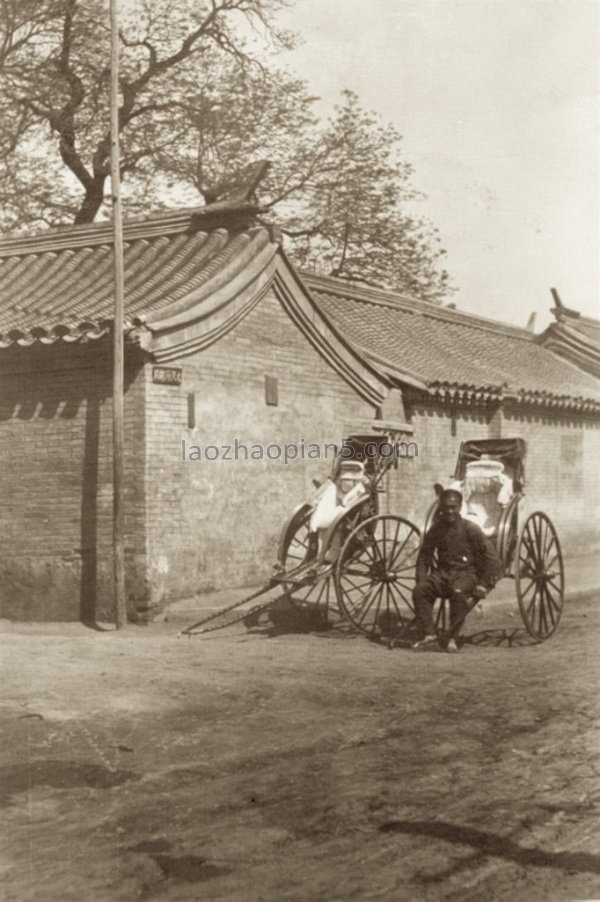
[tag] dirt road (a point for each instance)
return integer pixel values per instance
(274, 765)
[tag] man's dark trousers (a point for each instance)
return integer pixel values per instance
(457, 585)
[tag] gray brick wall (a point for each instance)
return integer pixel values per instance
(56, 482)
(562, 466)
(216, 524)
(200, 525)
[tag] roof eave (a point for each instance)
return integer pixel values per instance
(383, 297)
(235, 217)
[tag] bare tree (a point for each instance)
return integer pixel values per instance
(201, 96)
(54, 83)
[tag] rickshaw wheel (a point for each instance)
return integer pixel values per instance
(508, 534)
(375, 576)
(431, 515)
(320, 593)
(539, 576)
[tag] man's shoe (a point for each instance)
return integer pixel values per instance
(452, 646)
(426, 643)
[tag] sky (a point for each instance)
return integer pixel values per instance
(498, 105)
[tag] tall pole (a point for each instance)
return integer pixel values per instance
(120, 605)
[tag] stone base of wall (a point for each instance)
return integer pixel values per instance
(70, 588)
(40, 589)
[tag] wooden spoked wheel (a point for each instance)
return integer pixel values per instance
(319, 592)
(294, 549)
(539, 576)
(430, 516)
(375, 576)
(508, 534)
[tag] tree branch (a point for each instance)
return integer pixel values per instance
(63, 121)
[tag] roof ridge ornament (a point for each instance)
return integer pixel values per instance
(230, 205)
(240, 188)
(560, 311)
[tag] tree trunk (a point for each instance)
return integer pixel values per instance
(94, 197)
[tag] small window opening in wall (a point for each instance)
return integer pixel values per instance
(191, 405)
(271, 391)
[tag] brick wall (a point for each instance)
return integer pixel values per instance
(563, 475)
(562, 466)
(192, 526)
(410, 485)
(56, 482)
(216, 524)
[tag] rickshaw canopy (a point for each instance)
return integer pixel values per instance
(375, 450)
(509, 451)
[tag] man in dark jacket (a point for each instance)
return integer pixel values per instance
(466, 566)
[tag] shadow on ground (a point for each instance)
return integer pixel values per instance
(511, 638)
(17, 778)
(490, 845)
(286, 616)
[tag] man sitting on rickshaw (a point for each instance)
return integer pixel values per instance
(457, 562)
(348, 485)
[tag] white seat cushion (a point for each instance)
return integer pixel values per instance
(486, 491)
(483, 508)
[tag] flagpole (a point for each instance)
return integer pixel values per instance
(120, 605)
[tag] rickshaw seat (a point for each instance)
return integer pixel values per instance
(484, 509)
(486, 490)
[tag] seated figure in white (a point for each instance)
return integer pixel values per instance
(486, 491)
(333, 497)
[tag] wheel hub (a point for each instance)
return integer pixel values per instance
(380, 572)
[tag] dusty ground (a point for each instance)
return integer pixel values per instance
(282, 765)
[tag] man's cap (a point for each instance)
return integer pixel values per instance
(451, 495)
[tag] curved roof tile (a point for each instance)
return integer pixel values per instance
(61, 283)
(451, 350)
(181, 266)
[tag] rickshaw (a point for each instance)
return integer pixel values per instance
(307, 570)
(363, 564)
(353, 539)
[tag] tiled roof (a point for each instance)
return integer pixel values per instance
(576, 338)
(452, 353)
(586, 326)
(60, 284)
(190, 276)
